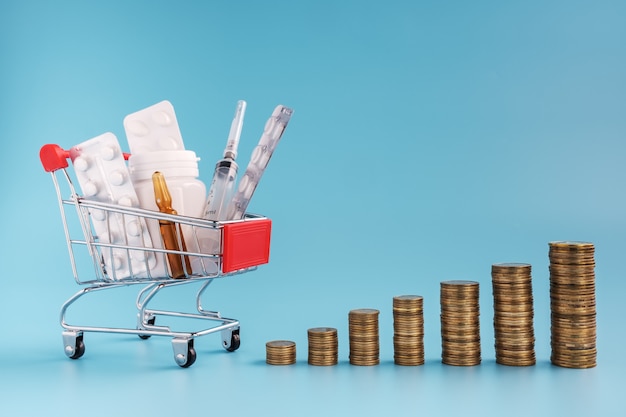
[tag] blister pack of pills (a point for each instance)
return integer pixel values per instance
(154, 128)
(103, 176)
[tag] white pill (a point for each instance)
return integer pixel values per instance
(249, 189)
(133, 228)
(137, 128)
(162, 118)
(257, 154)
(118, 262)
(108, 153)
(90, 189)
(117, 178)
(167, 143)
(244, 182)
(269, 125)
(81, 164)
(99, 215)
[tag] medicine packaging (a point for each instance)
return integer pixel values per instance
(103, 176)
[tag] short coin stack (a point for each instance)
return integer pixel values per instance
(408, 330)
(573, 304)
(364, 338)
(513, 314)
(460, 323)
(323, 346)
(280, 352)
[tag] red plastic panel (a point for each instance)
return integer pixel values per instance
(246, 244)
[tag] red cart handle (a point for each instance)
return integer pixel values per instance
(54, 157)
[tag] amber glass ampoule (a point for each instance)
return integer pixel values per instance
(169, 229)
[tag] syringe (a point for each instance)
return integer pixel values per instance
(273, 131)
(223, 184)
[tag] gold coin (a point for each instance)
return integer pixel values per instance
(360, 312)
(408, 299)
(459, 283)
(513, 316)
(280, 344)
(322, 331)
(463, 361)
(363, 337)
(572, 304)
(516, 361)
(280, 352)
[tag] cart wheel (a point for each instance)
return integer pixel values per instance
(235, 341)
(191, 358)
(184, 352)
(79, 348)
(151, 322)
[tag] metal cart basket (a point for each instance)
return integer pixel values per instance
(240, 246)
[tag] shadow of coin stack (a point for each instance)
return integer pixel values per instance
(280, 352)
(408, 330)
(323, 346)
(513, 314)
(363, 336)
(460, 323)
(572, 304)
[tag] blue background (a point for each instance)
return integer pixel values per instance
(430, 140)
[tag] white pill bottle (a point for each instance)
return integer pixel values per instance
(180, 169)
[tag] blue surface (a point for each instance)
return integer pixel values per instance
(429, 141)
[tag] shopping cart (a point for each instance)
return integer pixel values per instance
(241, 246)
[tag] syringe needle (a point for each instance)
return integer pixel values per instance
(235, 131)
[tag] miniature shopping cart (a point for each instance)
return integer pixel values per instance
(240, 247)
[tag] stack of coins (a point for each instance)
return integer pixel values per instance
(323, 346)
(513, 314)
(280, 352)
(573, 304)
(408, 330)
(364, 339)
(460, 323)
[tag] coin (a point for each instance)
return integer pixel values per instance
(364, 336)
(513, 314)
(408, 326)
(323, 346)
(572, 304)
(280, 352)
(460, 323)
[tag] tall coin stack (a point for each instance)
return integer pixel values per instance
(513, 314)
(573, 304)
(280, 352)
(323, 346)
(408, 330)
(460, 323)
(363, 335)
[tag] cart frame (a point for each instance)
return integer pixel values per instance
(243, 246)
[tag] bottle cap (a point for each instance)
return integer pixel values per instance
(170, 163)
